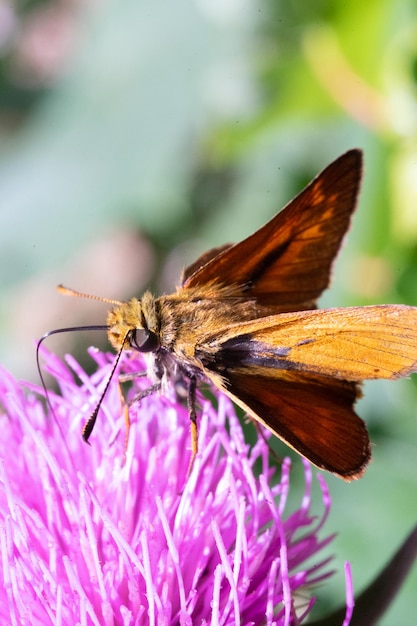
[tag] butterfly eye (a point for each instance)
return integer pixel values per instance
(144, 340)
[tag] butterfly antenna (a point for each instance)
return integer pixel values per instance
(67, 291)
(89, 425)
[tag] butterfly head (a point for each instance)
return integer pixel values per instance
(134, 325)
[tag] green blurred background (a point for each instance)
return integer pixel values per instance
(136, 134)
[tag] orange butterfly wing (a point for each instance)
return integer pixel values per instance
(286, 263)
(296, 373)
(355, 343)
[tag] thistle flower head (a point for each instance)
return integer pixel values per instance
(110, 534)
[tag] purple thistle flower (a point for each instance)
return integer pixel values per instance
(114, 535)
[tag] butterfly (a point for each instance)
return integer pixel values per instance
(244, 318)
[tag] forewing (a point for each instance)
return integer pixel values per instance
(286, 263)
(312, 414)
(202, 260)
(355, 344)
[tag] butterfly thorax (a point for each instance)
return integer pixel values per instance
(189, 316)
(175, 324)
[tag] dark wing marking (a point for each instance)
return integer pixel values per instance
(312, 414)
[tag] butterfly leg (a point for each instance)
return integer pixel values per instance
(127, 424)
(191, 399)
(145, 392)
(125, 378)
(137, 398)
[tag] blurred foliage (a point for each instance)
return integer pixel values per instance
(135, 135)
